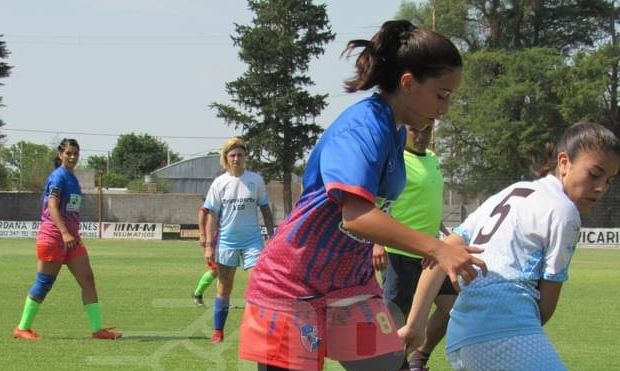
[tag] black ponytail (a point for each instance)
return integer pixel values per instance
(399, 46)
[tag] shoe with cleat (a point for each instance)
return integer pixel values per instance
(106, 334)
(25, 334)
(198, 300)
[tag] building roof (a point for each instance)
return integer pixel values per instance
(203, 167)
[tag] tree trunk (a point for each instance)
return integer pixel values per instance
(518, 19)
(287, 194)
(535, 8)
(613, 106)
(493, 21)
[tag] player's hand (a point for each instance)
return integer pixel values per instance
(412, 335)
(379, 257)
(68, 240)
(209, 255)
(473, 249)
(428, 263)
(456, 261)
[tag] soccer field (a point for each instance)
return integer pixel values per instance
(145, 288)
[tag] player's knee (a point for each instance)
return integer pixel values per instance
(43, 283)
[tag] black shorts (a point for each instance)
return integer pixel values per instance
(400, 280)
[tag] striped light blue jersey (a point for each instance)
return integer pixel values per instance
(236, 200)
(529, 231)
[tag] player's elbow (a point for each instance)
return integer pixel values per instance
(347, 225)
(549, 297)
(354, 227)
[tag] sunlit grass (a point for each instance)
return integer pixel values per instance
(145, 288)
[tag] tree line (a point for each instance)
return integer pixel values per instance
(26, 165)
(532, 67)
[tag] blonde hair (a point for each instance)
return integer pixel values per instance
(229, 145)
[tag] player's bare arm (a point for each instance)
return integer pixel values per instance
(413, 332)
(549, 297)
(267, 219)
(202, 226)
(211, 234)
(363, 219)
(428, 287)
(54, 208)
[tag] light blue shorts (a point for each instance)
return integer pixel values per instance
(518, 353)
(239, 257)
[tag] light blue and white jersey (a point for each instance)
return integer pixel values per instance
(528, 231)
(236, 200)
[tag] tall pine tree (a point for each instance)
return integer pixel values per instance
(271, 104)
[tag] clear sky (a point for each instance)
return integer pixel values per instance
(110, 67)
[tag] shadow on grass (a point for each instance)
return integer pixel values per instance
(191, 339)
(146, 338)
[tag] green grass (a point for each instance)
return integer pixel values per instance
(145, 287)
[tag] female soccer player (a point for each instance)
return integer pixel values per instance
(233, 201)
(529, 231)
(313, 292)
(59, 242)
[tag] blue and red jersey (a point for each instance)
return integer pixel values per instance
(312, 255)
(63, 184)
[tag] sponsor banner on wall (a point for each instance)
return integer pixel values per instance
(171, 232)
(599, 237)
(171, 228)
(132, 231)
(18, 229)
(89, 229)
(189, 232)
(22, 229)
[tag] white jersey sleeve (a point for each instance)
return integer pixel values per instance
(213, 200)
(564, 227)
(467, 228)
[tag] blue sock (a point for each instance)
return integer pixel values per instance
(220, 312)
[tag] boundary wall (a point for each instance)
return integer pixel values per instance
(588, 237)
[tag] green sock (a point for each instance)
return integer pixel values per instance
(31, 308)
(93, 312)
(204, 282)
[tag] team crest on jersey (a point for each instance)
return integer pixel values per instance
(309, 337)
(74, 202)
(251, 187)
